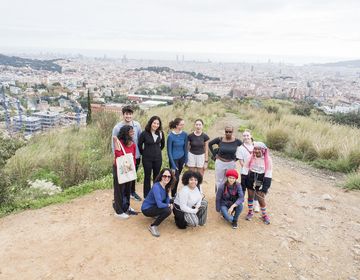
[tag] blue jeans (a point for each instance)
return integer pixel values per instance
(230, 218)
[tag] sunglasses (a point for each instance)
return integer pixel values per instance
(228, 131)
(166, 176)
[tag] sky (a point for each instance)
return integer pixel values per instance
(228, 30)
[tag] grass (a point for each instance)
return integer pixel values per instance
(65, 196)
(352, 181)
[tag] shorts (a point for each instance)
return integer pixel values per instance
(261, 184)
(196, 160)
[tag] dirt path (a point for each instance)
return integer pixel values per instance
(309, 237)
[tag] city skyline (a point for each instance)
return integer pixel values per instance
(258, 30)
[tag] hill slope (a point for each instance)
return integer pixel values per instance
(35, 64)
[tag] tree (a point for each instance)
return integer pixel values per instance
(88, 116)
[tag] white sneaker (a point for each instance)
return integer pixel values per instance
(256, 206)
(122, 216)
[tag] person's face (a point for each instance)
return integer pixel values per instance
(193, 183)
(180, 126)
(257, 151)
(246, 137)
(228, 132)
(131, 133)
(198, 126)
(231, 180)
(166, 177)
(128, 116)
(155, 125)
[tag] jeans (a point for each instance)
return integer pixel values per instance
(231, 218)
(132, 186)
(160, 213)
(179, 164)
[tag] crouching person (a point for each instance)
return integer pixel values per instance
(190, 209)
(157, 202)
(230, 198)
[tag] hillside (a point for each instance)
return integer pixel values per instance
(36, 64)
(348, 63)
(314, 234)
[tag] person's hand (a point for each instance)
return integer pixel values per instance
(231, 209)
(205, 165)
(170, 206)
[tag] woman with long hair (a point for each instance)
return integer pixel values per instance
(177, 149)
(198, 155)
(121, 202)
(157, 202)
(190, 209)
(224, 154)
(151, 142)
(259, 170)
(230, 198)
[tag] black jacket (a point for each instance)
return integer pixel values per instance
(149, 149)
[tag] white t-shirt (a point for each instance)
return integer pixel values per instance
(244, 153)
(187, 198)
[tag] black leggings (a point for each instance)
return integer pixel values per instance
(161, 213)
(150, 166)
(179, 217)
(132, 187)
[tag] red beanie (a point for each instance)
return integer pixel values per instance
(232, 173)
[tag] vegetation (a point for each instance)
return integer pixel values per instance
(351, 119)
(352, 181)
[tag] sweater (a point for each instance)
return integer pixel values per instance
(176, 147)
(227, 150)
(156, 197)
(187, 198)
(225, 199)
(128, 149)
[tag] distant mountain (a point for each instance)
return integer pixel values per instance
(35, 64)
(349, 63)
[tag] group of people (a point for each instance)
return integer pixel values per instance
(188, 204)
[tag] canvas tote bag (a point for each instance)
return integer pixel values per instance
(126, 171)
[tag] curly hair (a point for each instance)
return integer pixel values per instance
(191, 174)
(124, 134)
(169, 186)
(149, 123)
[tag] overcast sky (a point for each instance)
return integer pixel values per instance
(232, 29)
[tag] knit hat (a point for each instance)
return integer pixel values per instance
(232, 173)
(260, 145)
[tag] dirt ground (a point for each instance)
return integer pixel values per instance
(314, 234)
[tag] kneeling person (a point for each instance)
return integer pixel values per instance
(230, 198)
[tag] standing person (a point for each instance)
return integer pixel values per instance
(128, 112)
(225, 154)
(157, 202)
(150, 144)
(177, 149)
(198, 155)
(259, 169)
(190, 209)
(121, 202)
(230, 198)
(243, 154)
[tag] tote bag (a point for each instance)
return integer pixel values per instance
(125, 166)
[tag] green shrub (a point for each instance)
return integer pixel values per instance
(340, 165)
(277, 139)
(46, 174)
(303, 150)
(272, 109)
(302, 110)
(352, 181)
(354, 159)
(8, 147)
(5, 196)
(329, 153)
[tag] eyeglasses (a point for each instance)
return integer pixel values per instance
(166, 176)
(228, 131)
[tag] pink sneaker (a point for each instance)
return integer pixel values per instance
(266, 219)
(249, 216)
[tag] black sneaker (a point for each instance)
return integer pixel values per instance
(135, 196)
(131, 211)
(234, 225)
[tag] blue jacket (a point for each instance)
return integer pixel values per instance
(177, 147)
(234, 194)
(156, 197)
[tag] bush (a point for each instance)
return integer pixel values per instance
(329, 153)
(277, 139)
(352, 181)
(351, 119)
(302, 110)
(4, 188)
(8, 147)
(354, 160)
(304, 150)
(272, 109)
(340, 165)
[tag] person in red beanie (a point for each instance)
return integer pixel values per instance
(230, 198)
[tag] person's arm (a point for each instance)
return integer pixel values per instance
(183, 198)
(169, 152)
(162, 140)
(218, 197)
(133, 151)
(157, 194)
(212, 143)
(206, 154)
(115, 132)
(240, 195)
(141, 142)
(186, 147)
(240, 155)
